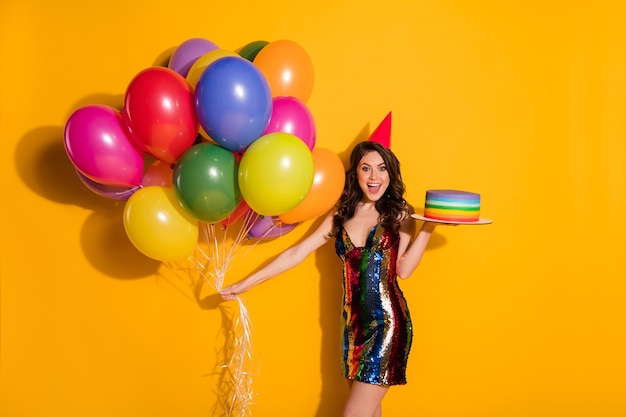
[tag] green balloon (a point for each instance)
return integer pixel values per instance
(251, 50)
(205, 182)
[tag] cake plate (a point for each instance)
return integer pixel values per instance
(426, 219)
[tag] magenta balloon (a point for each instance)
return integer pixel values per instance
(100, 147)
(188, 52)
(290, 115)
(267, 227)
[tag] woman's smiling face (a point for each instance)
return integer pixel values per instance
(373, 176)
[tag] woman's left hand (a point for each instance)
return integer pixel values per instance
(232, 291)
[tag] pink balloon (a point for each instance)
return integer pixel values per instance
(101, 148)
(188, 52)
(290, 115)
(158, 173)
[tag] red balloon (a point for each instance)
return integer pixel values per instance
(241, 210)
(159, 111)
(158, 173)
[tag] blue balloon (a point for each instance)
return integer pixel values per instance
(233, 102)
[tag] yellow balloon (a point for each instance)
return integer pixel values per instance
(275, 173)
(203, 62)
(205, 135)
(158, 226)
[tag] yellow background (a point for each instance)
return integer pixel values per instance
(523, 102)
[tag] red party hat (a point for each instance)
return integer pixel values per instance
(382, 134)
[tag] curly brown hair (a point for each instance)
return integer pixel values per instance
(392, 207)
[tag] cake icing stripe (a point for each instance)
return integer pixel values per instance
(462, 199)
(452, 207)
(453, 196)
(453, 202)
(466, 213)
(453, 218)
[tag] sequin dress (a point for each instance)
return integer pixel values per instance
(376, 325)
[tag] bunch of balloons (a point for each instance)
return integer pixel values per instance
(212, 137)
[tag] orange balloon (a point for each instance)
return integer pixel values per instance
(287, 68)
(328, 181)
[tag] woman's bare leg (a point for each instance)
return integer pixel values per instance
(364, 400)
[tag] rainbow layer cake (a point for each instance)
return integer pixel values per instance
(452, 205)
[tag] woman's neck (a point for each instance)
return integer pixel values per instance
(367, 205)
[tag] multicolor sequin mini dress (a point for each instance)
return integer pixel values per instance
(376, 325)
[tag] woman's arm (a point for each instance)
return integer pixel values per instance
(283, 262)
(410, 252)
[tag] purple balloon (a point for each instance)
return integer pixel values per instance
(109, 191)
(100, 147)
(290, 115)
(188, 52)
(267, 227)
(233, 102)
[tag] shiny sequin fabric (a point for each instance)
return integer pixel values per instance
(376, 325)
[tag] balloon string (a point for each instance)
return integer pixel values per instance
(216, 261)
(241, 236)
(244, 231)
(241, 359)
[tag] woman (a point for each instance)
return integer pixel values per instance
(373, 234)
